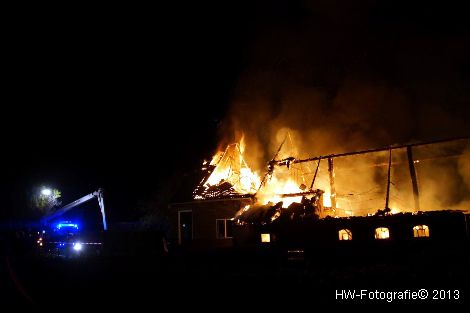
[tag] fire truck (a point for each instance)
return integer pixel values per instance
(65, 238)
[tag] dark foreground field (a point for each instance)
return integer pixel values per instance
(231, 278)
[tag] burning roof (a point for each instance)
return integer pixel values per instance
(227, 176)
(362, 179)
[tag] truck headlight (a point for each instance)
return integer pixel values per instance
(77, 246)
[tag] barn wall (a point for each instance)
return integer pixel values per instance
(205, 213)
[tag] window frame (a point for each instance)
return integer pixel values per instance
(421, 228)
(225, 228)
(347, 231)
(381, 231)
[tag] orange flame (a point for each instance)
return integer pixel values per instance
(273, 190)
(230, 166)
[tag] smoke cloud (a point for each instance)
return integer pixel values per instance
(336, 82)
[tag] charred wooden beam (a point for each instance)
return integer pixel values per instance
(315, 176)
(414, 180)
(387, 196)
(332, 183)
(375, 150)
(299, 194)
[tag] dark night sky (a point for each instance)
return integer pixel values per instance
(124, 97)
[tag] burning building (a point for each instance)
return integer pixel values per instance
(295, 200)
(227, 185)
(229, 188)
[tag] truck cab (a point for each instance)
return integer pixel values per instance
(61, 239)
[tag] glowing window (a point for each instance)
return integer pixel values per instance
(265, 237)
(382, 233)
(421, 231)
(345, 234)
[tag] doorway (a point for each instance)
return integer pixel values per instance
(185, 227)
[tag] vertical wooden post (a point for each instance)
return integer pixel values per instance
(414, 180)
(332, 183)
(387, 196)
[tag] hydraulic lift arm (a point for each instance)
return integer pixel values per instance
(96, 194)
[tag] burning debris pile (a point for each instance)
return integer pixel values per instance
(307, 208)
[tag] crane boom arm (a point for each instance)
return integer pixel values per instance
(96, 194)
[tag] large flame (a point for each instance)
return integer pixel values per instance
(229, 166)
(284, 184)
(275, 188)
(358, 189)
